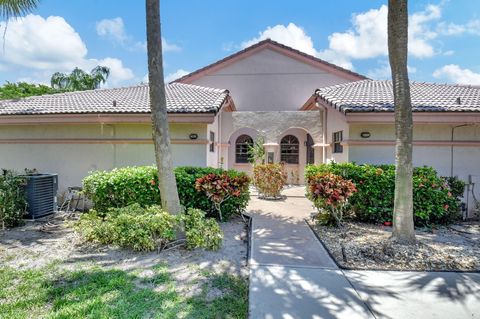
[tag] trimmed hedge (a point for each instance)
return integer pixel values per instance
(434, 200)
(129, 185)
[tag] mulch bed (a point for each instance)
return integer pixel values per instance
(366, 246)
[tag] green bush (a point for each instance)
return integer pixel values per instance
(147, 228)
(12, 199)
(433, 200)
(201, 232)
(125, 186)
(131, 227)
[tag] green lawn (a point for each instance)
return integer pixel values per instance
(94, 292)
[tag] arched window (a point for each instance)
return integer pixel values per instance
(289, 149)
(242, 145)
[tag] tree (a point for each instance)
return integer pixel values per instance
(79, 80)
(158, 104)
(15, 8)
(403, 227)
(23, 89)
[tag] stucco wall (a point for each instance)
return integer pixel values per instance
(268, 81)
(336, 122)
(73, 160)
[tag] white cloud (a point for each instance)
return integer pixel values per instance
(118, 72)
(471, 27)
(383, 71)
(113, 29)
(368, 37)
(170, 47)
(290, 35)
(295, 36)
(175, 75)
(41, 46)
(453, 73)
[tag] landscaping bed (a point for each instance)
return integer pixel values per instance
(47, 270)
(367, 246)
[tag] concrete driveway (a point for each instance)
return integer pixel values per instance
(292, 276)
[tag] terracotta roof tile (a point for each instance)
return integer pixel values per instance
(377, 96)
(181, 98)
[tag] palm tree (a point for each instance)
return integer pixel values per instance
(158, 104)
(79, 80)
(15, 8)
(403, 227)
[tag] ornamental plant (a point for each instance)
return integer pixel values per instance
(269, 179)
(330, 193)
(139, 184)
(12, 199)
(435, 200)
(221, 187)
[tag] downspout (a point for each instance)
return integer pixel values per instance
(324, 128)
(219, 138)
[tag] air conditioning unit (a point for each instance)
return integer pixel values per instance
(41, 191)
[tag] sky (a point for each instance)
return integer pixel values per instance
(444, 37)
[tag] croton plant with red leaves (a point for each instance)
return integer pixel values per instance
(330, 193)
(220, 187)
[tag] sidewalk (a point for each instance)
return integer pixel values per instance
(292, 276)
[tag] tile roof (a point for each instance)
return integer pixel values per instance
(181, 98)
(377, 96)
(267, 42)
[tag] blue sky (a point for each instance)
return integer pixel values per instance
(59, 35)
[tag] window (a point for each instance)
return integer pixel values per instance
(337, 142)
(243, 143)
(212, 141)
(289, 149)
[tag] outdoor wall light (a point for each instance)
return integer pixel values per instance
(365, 134)
(193, 136)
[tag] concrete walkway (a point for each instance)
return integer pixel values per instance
(292, 276)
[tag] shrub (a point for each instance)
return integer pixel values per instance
(132, 227)
(147, 228)
(12, 199)
(269, 179)
(433, 200)
(330, 193)
(125, 186)
(221, 187)
(201, 232)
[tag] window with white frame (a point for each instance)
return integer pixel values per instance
(337, 142)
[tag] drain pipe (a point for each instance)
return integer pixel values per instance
(324, 127)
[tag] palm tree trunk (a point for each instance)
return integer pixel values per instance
(403, 227)
(158, 104)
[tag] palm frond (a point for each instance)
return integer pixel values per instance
(16, 8)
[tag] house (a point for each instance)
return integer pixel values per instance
(74, 133)
(359, 127)
(269, 83)
(266, 93)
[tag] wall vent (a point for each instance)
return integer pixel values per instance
(41, 192)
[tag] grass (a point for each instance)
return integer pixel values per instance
(94, 292)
